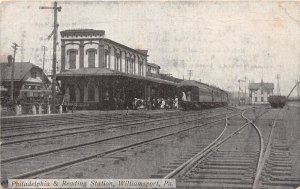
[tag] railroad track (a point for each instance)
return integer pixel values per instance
(17, 122)
(9, 139)
(98, 141)
(276, 168)
(232, 160)
(70, 119)
(117, 144)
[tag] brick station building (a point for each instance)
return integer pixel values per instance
(100, 73)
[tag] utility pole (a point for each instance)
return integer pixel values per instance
(245, 87)
(44, 49)
(54, 33)
(239, 95)
(190, 74)
(298, 89)
(15, 47)
(278, 89)
(241, 90)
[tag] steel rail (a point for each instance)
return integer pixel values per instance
(131, 122)
(88, 125)
(46, 120)
(79, 118)
(97, 141)
(260, 152)
(92, 130)
(83, 159)
(256, 183)
(192, 160)
(71, 116)
(70, 121)
(216, 144)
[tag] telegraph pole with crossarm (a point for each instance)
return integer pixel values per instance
(54, 33)
(15, 47)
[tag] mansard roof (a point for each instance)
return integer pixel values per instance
(153, 65)
(256, 86)
(21, 69)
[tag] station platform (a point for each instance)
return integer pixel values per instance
(124, 112)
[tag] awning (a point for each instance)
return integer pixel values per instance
(107, 72)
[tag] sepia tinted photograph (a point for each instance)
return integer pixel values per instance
(150, 94)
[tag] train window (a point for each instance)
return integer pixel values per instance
(255, 99)
(262, 99)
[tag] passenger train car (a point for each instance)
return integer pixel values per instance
(197, 95)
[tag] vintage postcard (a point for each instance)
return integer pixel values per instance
(150, 94)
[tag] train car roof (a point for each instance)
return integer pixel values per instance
(193, 83)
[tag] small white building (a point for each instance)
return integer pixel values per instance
(259, 92)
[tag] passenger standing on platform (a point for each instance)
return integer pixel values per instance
(153, 104)
(171, 103)
(163, 103)
(135, 104)
(176, 103)
(148, 103)
(167, 106)
(115, 103)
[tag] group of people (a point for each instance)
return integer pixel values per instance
(159, 103)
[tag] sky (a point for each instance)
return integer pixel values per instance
(221, 42)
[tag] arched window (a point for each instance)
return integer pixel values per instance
(106, 59)
(132, 66)
(140, 68)
(117, 62)
(91, 57)
(127, 66)
(72, 58)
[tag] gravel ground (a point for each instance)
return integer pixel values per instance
(291, 121)
(144, 161)
(21, 168)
